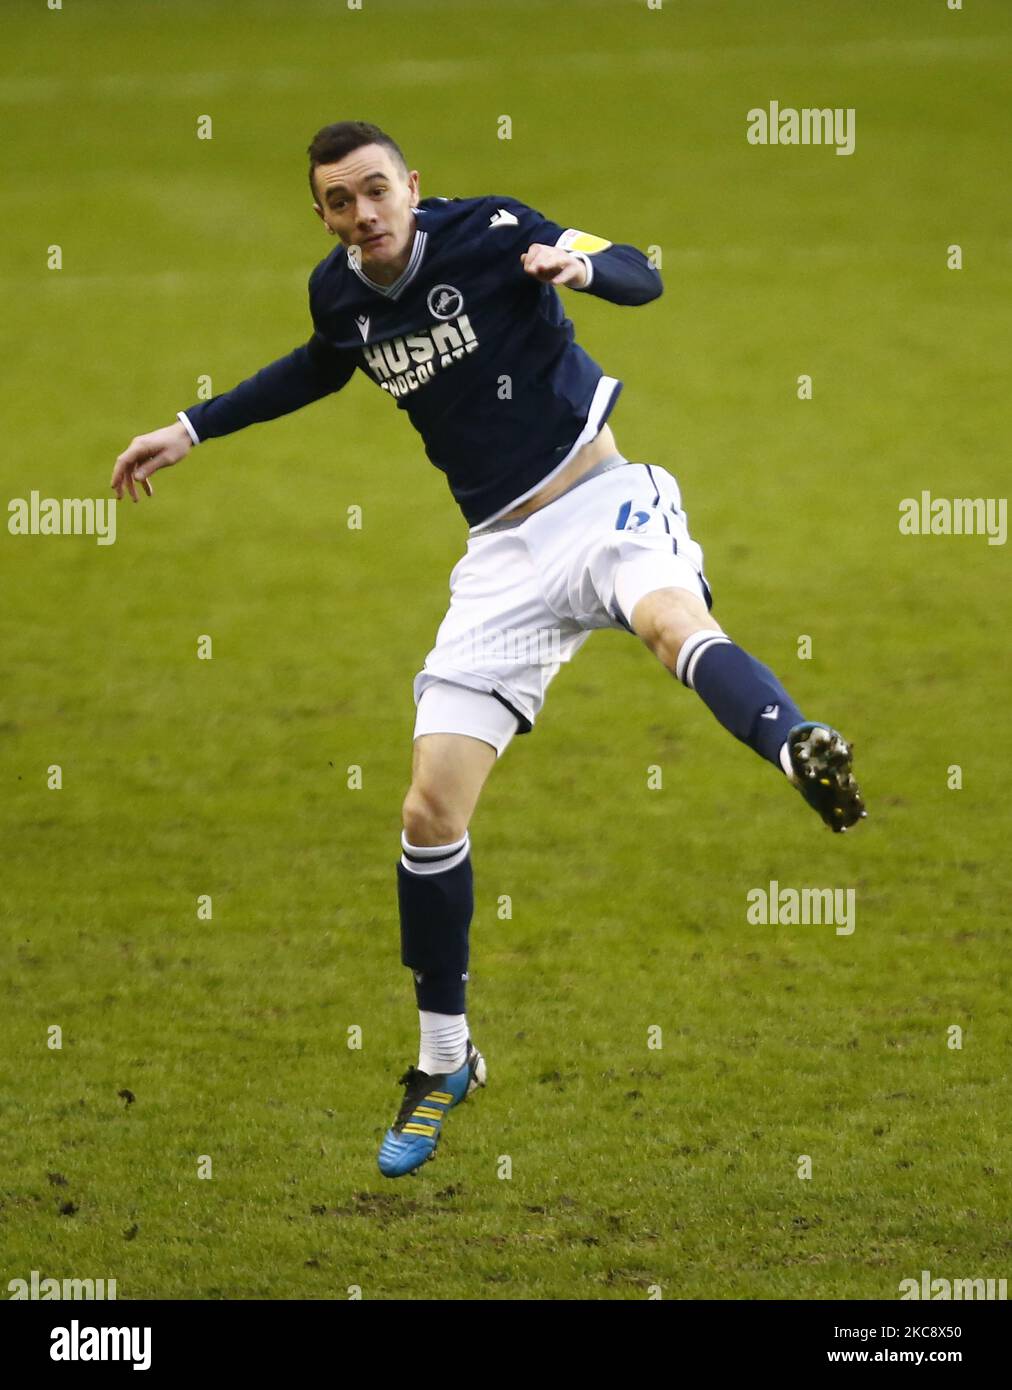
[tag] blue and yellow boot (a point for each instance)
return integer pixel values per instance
(412, 1138)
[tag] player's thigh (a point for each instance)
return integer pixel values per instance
(448, 773)
(663, 618)
(621, 543)
(459, 734)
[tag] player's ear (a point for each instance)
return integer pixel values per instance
(413, 187)
(319, 211)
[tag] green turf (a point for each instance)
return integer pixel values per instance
(631, 1168)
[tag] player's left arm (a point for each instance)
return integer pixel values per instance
(582, 261)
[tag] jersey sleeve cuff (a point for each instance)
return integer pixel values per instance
(589, 267)
(181, 415)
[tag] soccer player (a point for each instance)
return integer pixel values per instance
(451, 307)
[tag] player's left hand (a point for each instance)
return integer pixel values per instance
(552, 265)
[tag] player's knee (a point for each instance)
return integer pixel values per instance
(429, 818)
(665, 618)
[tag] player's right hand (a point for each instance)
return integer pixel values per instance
(147, 453)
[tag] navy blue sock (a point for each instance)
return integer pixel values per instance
(743, 694)
(436, 899)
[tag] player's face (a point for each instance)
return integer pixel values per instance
(366, 199)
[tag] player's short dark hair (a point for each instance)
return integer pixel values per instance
(333, 142)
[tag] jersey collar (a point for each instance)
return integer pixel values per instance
(409, 272)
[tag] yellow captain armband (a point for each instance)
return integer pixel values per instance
(573, 240)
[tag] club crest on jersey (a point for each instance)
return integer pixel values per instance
(401, 365)
(445, 302)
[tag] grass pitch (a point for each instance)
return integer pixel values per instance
(632, 1168)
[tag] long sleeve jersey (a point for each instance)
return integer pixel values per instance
(479, 354)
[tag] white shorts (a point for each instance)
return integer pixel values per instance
(526, 596)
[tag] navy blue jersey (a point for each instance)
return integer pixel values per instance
(478, 353)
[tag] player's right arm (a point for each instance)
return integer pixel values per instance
(145, 454)
(310, 372)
